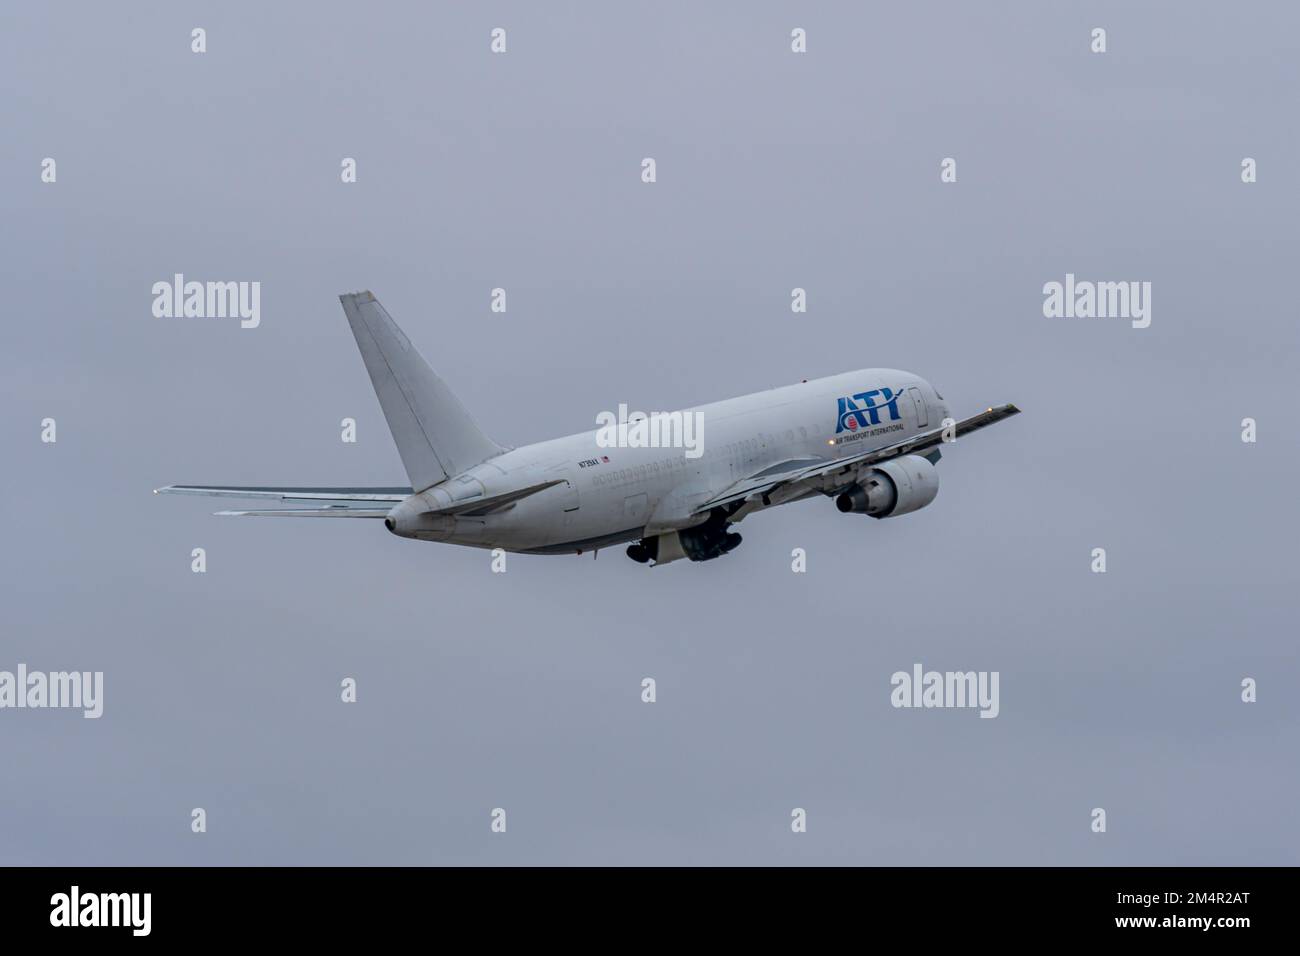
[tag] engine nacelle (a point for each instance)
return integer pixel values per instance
(893, 488)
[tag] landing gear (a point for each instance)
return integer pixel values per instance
(704, 542)
(707, 545)
(710, 540)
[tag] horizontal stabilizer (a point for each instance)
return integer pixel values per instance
(469, 507)
(288, 494)
(338, 511)
(486, 504)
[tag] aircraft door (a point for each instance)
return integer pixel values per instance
(922, 412)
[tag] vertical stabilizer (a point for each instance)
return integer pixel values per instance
(434, 433)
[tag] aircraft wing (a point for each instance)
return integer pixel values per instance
(765, 480)
(794, 478)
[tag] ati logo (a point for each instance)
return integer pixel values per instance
(863, 409)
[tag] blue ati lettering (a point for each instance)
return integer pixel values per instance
(864, 408)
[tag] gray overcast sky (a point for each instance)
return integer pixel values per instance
(775, 170)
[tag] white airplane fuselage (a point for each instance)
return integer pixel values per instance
(671, 483)
(610, 495)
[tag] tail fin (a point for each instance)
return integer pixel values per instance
(434, 434)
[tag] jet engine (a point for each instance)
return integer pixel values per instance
(892, 488)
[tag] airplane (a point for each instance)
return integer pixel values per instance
(868, 439)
